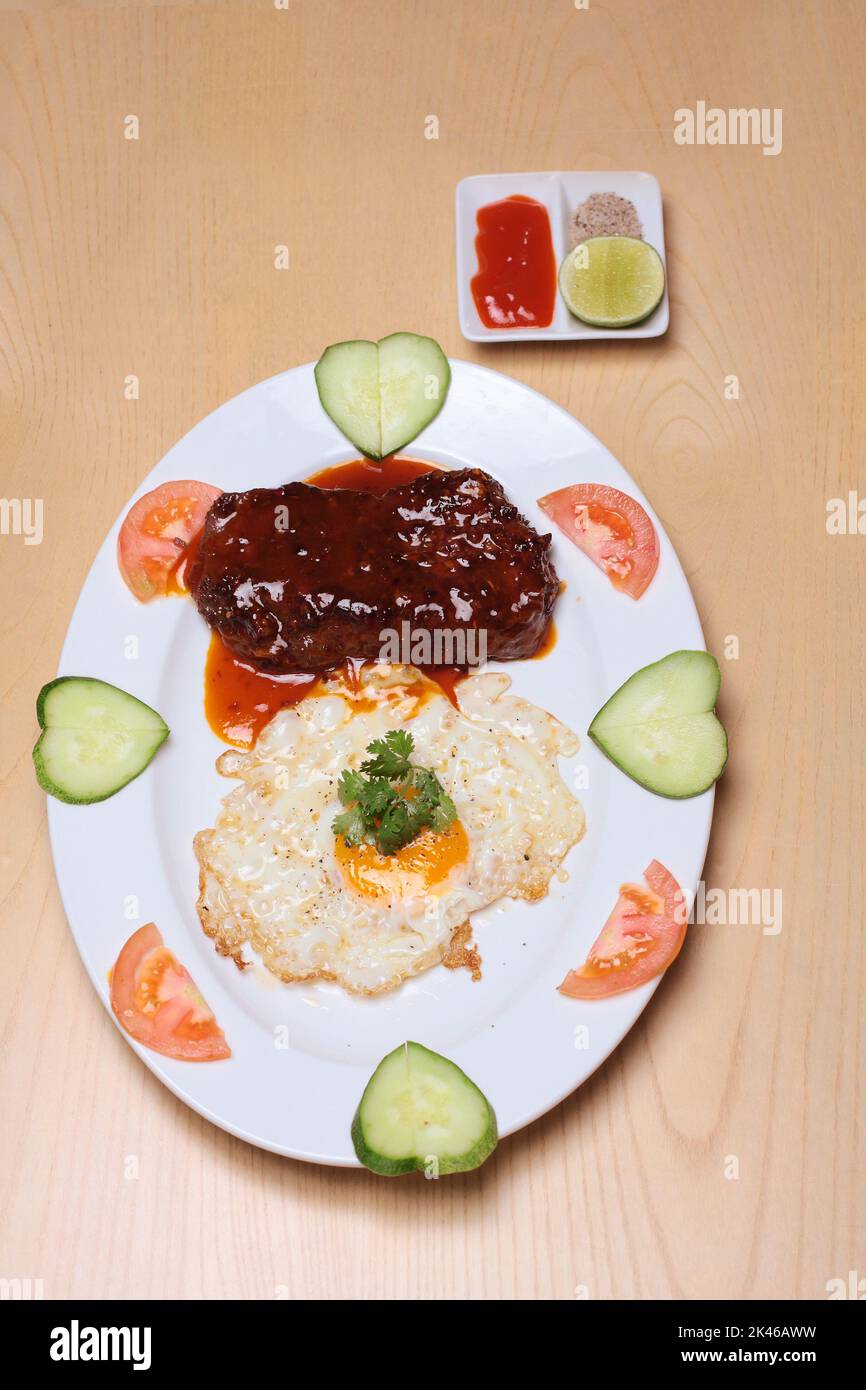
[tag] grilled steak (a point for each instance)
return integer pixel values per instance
(298, 578)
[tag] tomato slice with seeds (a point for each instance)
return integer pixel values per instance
(156, 534)
(156, 1000)
(640, 938)
(611, 528)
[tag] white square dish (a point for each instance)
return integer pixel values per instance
(560, 192)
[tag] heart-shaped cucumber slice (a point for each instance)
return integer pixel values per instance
(381, 395)
(420, 1111)
(659, 727)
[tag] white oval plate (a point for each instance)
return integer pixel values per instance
(302, 1054)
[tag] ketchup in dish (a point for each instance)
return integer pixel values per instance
(515, 286)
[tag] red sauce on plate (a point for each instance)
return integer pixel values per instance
(515, 286)
(176, 583)
(365, 475)
(548, 644)
(239, 699)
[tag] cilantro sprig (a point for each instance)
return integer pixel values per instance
(389, 800)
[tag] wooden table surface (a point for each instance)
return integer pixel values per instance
(261, 126)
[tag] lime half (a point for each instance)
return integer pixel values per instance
(612, 281)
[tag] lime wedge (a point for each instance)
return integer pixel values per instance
(612, 281)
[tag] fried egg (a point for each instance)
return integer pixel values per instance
(276, 883)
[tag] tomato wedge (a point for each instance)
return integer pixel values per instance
(638, 941)
(154, 539)
(157, 1001)
(611, 528)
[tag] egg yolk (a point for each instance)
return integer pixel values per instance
(413, 871)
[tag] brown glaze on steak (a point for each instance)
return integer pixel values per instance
(298, 578)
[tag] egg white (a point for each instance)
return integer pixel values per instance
(270, 882)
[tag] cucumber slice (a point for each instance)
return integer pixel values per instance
(420, 1111)
(347, 379)
(414, 377)
(381, 395)
(659, 727)
(95, 738)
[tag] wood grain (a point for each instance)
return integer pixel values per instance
(155, 257)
